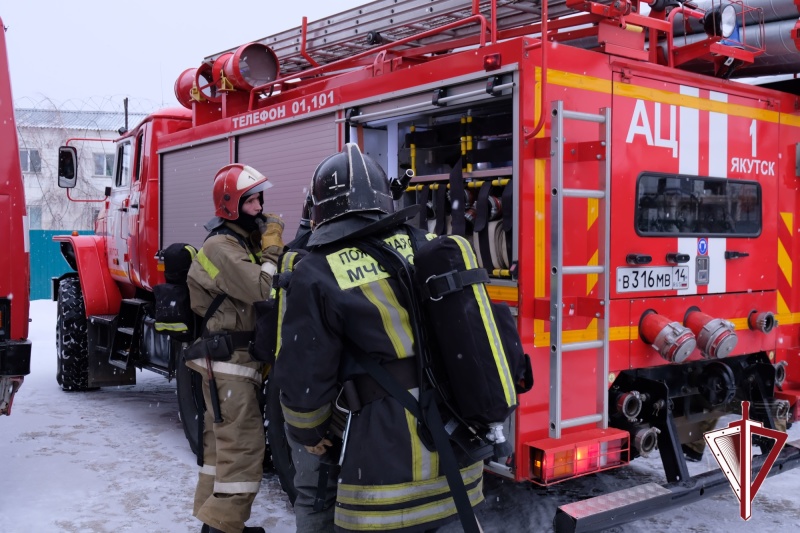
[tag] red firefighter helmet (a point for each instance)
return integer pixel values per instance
(231, 184)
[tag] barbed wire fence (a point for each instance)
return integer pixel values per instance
(108, 103)
(57, 211)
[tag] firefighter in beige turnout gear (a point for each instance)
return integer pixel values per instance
(238, 259)
(340, 303)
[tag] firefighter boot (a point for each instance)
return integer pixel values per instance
(693, 451)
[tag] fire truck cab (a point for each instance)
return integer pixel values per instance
(635, 206)
(15, 348)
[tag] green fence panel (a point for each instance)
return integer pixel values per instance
(46, 261)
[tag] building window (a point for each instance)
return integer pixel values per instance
(35, 216)
(30, 160)
(104, 165)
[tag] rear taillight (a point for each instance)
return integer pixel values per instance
(554, 460)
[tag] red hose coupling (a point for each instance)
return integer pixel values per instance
(716, 337)
(763, 322)
(670, 339)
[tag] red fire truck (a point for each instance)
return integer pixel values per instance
(15, 348)
(635, 206)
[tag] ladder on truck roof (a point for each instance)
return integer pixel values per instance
(359, 29)
(558, 348)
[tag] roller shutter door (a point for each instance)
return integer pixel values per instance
(186, 183)
(288, 156)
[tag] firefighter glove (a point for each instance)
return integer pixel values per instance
(271, 237)
(320, 448)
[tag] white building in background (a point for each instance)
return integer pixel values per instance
(40, 132)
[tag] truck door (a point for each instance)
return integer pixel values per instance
(138, 183)
(119, 219)
(695, 199)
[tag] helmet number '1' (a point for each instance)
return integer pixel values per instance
(336, 183)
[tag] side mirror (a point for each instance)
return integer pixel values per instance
(67, 167)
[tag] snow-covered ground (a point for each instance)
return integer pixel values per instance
(116, 460)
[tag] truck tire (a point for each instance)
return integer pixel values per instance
(191, 406)
(278, 446)
(72, 344)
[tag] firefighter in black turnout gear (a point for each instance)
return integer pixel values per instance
(342, 306)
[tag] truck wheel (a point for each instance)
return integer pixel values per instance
(278, 445)
(72, 344)
(191, 406)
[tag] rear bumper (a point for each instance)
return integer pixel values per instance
(642, 501)
(15, 358)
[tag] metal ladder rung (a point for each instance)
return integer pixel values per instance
(582, 345)
(583, 193)
(581, 420)
(586, 117)
(583, 269)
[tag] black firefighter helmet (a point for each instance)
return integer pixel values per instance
(351, 198)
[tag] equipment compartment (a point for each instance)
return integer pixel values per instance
(462, 159)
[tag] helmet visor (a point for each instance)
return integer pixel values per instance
(261, 187)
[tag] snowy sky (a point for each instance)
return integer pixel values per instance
(92, 53)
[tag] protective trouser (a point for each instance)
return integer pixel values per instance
(233, 456)
(306, 481)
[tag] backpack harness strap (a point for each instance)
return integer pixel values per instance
(439, 286)
(403, 371)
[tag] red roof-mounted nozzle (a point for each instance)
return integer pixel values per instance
(220, 80)
(251, 65)
(185, 88)
(716, 337)
(206, 84)
(763, 322)
(670, 339)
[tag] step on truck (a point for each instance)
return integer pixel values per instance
(15, 278)
(634, 204)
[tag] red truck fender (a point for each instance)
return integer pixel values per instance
(100, 292)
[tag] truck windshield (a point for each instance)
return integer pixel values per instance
(672, 204)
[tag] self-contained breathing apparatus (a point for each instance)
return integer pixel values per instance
(466, 389)
(477, 373)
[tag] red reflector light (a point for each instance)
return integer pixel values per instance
(554, 460)
(492, 62)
